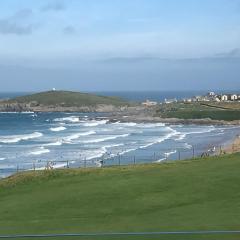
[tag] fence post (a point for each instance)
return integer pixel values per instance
(193, 151)
(17, 168)
(119, 159)
(85, 162)
(154, 156)
(134, 160)
(34, 167)
(67, 164)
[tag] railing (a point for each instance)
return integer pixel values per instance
(108, 159)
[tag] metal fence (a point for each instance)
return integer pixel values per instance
(143, 156)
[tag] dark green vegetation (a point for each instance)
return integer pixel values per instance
(69, 99)
(214, 111)
(199, 194)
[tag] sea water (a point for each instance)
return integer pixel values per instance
(31, 140)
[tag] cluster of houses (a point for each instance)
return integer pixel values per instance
(210, 97)
(213, 97)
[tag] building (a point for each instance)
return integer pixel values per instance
(224, 97)
(149, 103)
(233, 97)
(170, 100)
(211, 94)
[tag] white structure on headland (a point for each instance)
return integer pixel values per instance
(54, 89)
(149, 103)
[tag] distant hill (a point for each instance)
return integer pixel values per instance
(68, 99)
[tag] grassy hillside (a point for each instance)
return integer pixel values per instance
(200, 194)
(216, 111)
(69, 99)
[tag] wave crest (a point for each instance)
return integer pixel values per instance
(18, 138)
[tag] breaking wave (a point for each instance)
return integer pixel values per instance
(98, 140)
(95, 123)
(18, 138)
(39, 151)
(77, 135)
(73, 119)
(57, 129)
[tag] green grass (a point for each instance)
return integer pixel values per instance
(214, 111)
(69, 99)
(200, 194)
(228, 115)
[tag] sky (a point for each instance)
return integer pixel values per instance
(117, 45)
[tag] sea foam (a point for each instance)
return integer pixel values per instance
(77, 135)
(98, 140)
(39, 151)
(57, 129)
(72, 119)
(18, 138)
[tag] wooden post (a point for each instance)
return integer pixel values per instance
(67, 164)
(179, 155)
(85, 162)
(134, 160)
(119, 159)
(193, 151)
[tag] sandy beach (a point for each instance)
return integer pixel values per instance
(232, 147)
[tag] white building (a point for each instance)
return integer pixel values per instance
(170, 100)
(211, 94)
(234, 97)
(149, 103)
(224, 97)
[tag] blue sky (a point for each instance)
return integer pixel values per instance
(79, 44)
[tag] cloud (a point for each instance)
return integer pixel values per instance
(24, 13)
(69, 30)
(8, 27)
(231, 54)
(14, 25)
(56, 6)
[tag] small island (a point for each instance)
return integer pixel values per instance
(63, 101)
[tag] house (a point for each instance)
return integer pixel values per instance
(224, 97)
(149, 103)
(170, 100)
(211, 94)
(233, 97)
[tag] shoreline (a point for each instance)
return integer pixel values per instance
(138, 118)
(232, 147)
(152, 119)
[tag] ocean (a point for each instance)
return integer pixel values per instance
(59, 140)
(30, 140)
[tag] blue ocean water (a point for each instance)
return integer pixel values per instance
(37, 140)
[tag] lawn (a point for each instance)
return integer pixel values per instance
(199, 194)
(198, 110)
